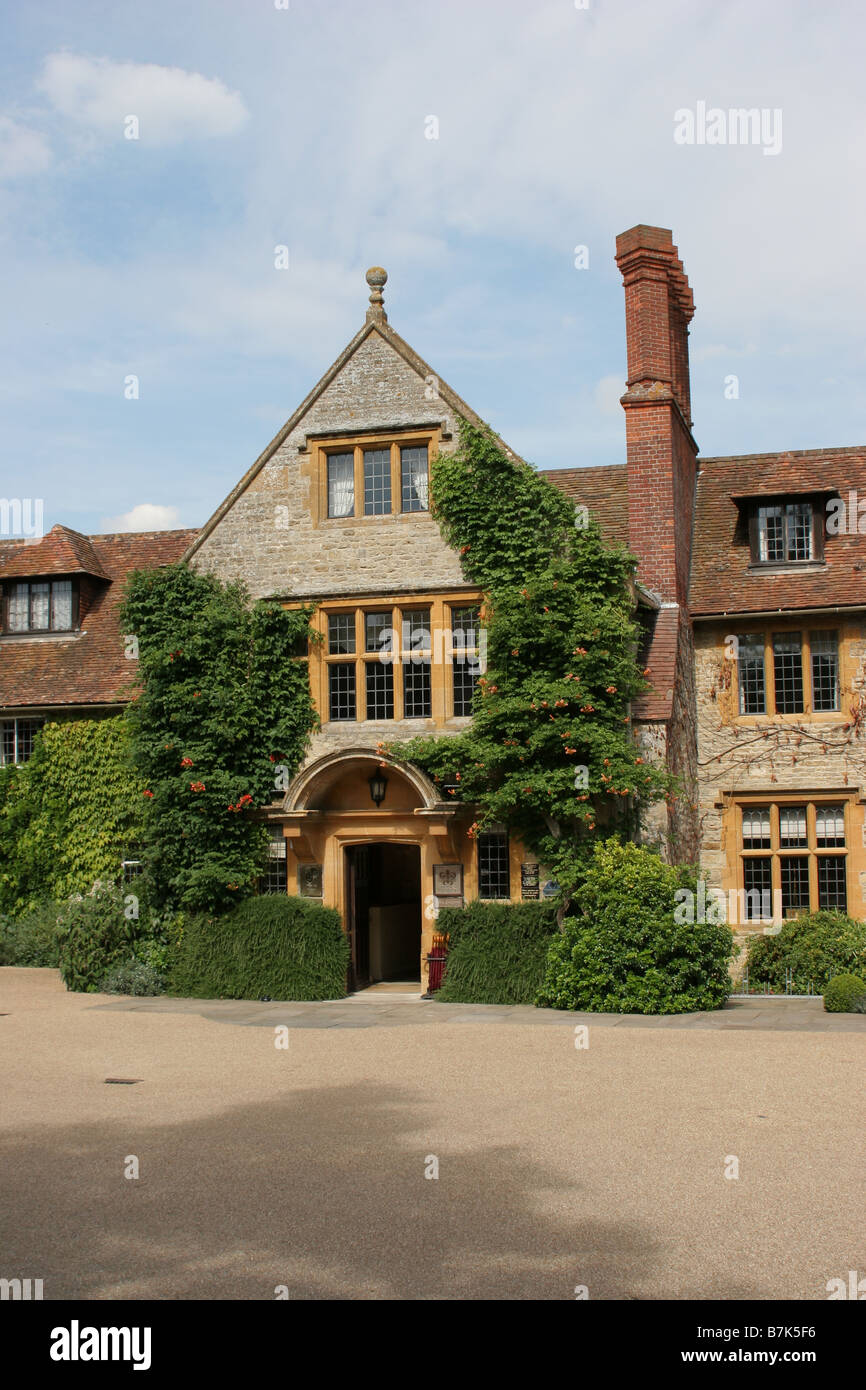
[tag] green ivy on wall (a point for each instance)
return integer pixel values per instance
(221, 724)
(69, 815)
(550, 751)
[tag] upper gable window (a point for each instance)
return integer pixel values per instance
(40, 605)
(785, 533)
(377, 477)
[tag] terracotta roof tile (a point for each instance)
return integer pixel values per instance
(603, 490)
(87, 667)
(62, 551)
(722, 580)
(662, 665)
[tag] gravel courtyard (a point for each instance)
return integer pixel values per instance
(304, 1166)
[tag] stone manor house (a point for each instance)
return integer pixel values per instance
(750, 596)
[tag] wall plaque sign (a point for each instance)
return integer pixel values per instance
(310, 880)
(529, 881)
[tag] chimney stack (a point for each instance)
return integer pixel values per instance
(662, 455)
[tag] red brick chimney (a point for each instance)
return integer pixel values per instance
(660, 449)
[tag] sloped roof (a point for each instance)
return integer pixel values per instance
(603, 490)
(722, 579)
(661, 663)
(62, 551)
(88, 667)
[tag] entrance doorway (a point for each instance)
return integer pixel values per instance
(383, 913)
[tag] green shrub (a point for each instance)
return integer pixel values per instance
(625, 952)
(842, 992)
(133, 977)
(813, 948)
(271, 947)
(32, 938)
(859, 1005)
(497, 952)
(104, 930)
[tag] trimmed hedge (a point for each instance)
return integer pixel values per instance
(272, 947)
(842, 993)
(626, 952)
(814, 948)
(497, 952)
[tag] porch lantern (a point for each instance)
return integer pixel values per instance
(378, 785)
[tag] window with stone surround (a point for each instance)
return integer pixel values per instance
(794, 850)
(789, 672)
(375, 476)
(16, 739)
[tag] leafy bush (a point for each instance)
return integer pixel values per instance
(104, 930)
(625, 952)
(858, 1006)
(32, 938)
(813, 948)
(133, 977)
(274, 947)
(842, 992)
(497, 952)
(68, 816)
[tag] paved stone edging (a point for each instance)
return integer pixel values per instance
(384, 1011)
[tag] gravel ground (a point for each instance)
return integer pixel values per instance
(304, 1166)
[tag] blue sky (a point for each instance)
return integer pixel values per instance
(306, 127)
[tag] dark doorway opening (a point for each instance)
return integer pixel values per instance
(383, 913)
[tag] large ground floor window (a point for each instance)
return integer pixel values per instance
(16, 739)
(797, 851)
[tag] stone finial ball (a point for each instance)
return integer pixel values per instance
(376, 277)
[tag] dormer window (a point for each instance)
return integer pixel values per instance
(40, 605)
(785, 533)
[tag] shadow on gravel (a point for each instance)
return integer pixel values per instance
(323, 1192)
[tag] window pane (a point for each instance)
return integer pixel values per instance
(417, 700)
(750, 664)
(377, 629)
(829, 826)
(756, 827)
(465, 681)
(413, 475)
(799, 527)
(27, 730)
(792, 827)
(825, 669)
(788, 662)
(7, 746)
(494, 879)
(377, 482)
(61, 605)
(758, 883)
(771, 535)
(274, 879)
(416, 630)
(380, 691)
(341, 685)
(19, 608)
(832, 893)
(795, 884)
(341, 484)
(341, 634)
(40, 606)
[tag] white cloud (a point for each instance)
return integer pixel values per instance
(607, 395)
(145, 516)
(170, 104)
(22, 151)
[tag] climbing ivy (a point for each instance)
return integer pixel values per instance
(70, 815)
(220, 725)
(550, 750)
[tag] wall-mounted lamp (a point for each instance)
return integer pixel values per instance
(378, 786)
